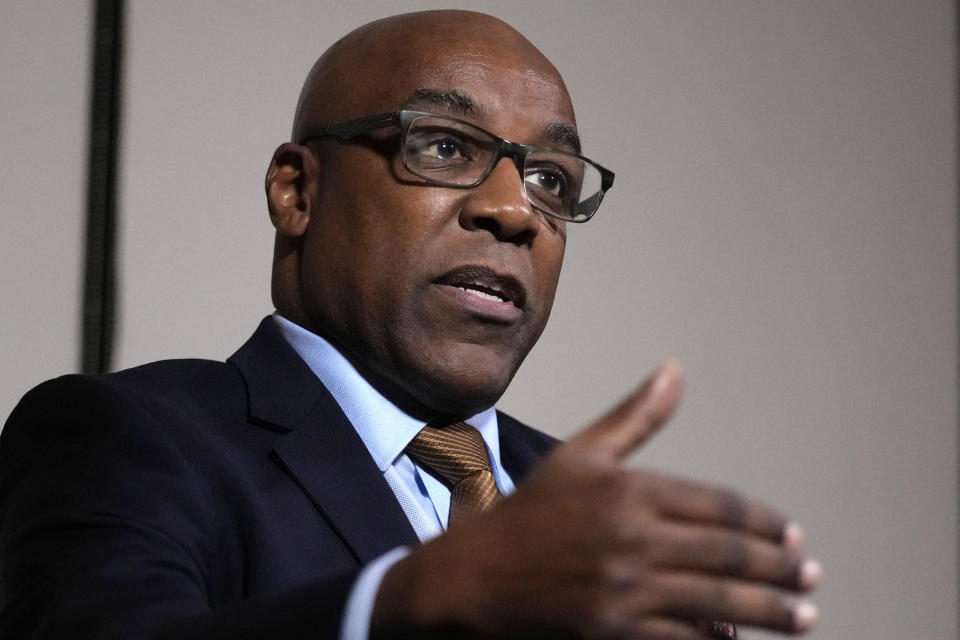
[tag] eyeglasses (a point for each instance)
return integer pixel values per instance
(453, 153)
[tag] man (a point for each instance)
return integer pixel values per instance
(286, 492)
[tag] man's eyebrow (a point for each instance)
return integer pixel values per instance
(452, 101)
(457, 102)
(564, 134)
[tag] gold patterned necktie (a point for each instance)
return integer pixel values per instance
(457, 456)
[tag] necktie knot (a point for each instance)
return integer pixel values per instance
(457, 455)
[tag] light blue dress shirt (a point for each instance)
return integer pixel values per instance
(386, 430)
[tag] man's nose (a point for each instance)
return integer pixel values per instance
(499, 206)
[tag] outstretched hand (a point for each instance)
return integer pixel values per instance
(588, 549)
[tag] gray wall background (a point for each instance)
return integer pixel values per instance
(784, 222)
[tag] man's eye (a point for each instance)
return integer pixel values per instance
(446, 148)
(546, 180)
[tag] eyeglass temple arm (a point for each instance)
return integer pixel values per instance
(352, 128)
(606, 178)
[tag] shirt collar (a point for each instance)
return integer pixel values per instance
(385, 429)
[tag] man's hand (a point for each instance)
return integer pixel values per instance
(588, 549)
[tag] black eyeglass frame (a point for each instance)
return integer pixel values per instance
(403, 118)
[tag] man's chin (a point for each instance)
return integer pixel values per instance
(434, 376)
(457, 391)
(461, 399)
(461, 382)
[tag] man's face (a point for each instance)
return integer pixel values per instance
(438, 293)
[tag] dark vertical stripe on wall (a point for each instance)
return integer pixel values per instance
(956, 219)
(99, 283)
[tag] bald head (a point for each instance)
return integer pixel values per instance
(373, 68)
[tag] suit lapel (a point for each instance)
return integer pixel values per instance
(320, 449)
(521, 447)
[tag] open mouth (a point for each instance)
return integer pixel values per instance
(486, 284)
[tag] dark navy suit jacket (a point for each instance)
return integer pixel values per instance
(194, 499)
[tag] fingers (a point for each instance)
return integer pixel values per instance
(686, 500)
(632, 422)
(734, 554)
(696, 596)
(710, 554)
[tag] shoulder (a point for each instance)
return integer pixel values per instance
(146, 378)
(93, 406)
(173, 380)
(147, 445)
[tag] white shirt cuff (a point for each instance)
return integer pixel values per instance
(356, 615)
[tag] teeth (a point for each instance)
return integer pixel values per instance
(482, 294)
(480, 285)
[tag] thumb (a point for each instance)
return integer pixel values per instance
(633, 421)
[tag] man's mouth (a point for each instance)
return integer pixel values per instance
(485, 284)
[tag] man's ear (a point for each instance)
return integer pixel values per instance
(292, 186)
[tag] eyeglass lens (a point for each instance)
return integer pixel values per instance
(453, 153)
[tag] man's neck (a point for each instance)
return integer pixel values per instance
(385, 381)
